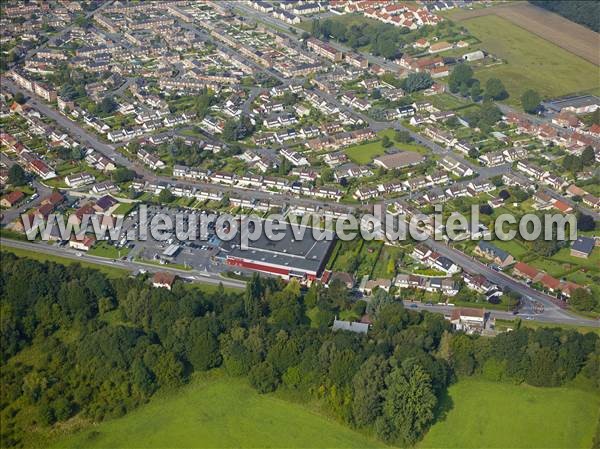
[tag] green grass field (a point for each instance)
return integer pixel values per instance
(505, 324)
(124, 208)
(366, 152)
(41, 257)
(532, 62)
(497, 415)
(220, 413)
(104, 249)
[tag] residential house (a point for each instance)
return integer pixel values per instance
(163, 280)
(493, 253)
(582, 247)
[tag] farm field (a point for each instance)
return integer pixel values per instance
(550, 26)
(532, 62)
(503, 415)
(219, 413)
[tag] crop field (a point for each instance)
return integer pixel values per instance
(552, 27)
(531, 62)
(503, 415)
(219, 413)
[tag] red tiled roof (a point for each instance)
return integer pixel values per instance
(550, 282)
(14, 197)
(163, 278)
(526, 270)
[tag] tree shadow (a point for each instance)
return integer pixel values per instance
(444, 405)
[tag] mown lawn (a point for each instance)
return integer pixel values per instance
(366, 152)
(487, 414)
(42, 257)
(532, 62)
(219, 413)
(124, 208)
(105, 249)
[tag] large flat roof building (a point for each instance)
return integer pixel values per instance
(289, 257)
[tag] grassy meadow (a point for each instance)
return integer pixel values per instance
(531, 62)
(219, 413)
(502, 415)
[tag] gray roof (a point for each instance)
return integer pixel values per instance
(497, 252)
(361, 328)
(576, 101)
(303, 254)
(583, 245)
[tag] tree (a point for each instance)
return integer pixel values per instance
(108, 105)
(585, 222)
(409, 403)
(417, 81)
(369, 385)
(588, 156)
(63, 409)
(504, 194)
(530, 100)
(327, 175)
(165, 196)
(486, 209)
(543, 368)
(237, 129)
(402, 136)
(475, 90)
(495, 90)
(253, 297)
(263, 377)
(487, 115)
(582, 300)
(123, 174)
(461, 75)
(16, 175)
(20, 98)
(386, 142)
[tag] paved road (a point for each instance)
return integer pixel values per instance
(62, 32)
(552, 313)
(193, 275)
(284, 27)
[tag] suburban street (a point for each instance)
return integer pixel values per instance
(552, 316)
(552, 313)
(133, 266)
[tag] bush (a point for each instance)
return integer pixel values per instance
(263, 377)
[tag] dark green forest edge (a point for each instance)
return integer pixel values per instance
(77, 346)
(583, 12)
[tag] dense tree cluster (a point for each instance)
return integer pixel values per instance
(485, 117)
(238, 129)
(76, 343)
(382, 39)
(16, 175)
